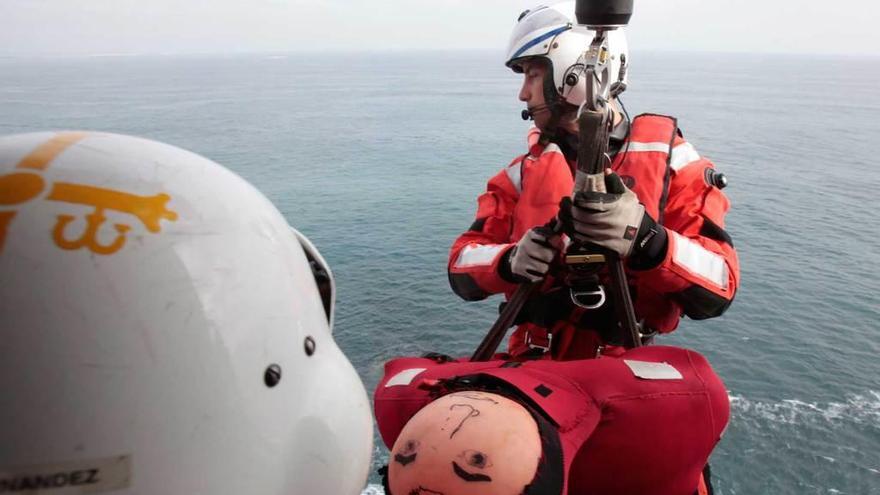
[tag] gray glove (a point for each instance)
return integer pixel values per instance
(607, 219)
(530, 258)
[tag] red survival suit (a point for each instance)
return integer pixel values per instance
(698, 275)
(643, 423)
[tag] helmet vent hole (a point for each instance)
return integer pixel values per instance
(309, 346)
(272, 375)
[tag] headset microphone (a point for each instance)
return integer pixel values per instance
(529, 113)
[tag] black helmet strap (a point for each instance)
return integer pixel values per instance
(555, 104)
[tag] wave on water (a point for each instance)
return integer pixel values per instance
(373, 490)
(857, 408)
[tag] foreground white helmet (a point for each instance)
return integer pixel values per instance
(162, 330)
(552, 33)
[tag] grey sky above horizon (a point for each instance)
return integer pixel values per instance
(89, 27)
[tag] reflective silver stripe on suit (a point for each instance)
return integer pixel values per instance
(514, 173)
(478, 254)
(637, 147)
(682, 155)
(700, 261)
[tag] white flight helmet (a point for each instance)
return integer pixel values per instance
(162, 330)
(552, 33)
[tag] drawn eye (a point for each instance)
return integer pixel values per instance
(409, 447)
(469, 477)
(476, 459)
(407, 454)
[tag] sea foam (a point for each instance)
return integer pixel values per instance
(856, 408)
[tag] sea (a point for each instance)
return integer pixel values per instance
(379, 157)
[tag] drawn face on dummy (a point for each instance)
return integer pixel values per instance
(466, 443)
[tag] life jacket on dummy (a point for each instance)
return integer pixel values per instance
(641, 423)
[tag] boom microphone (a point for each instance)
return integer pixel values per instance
(529, 113)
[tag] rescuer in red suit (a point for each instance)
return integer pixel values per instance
(643, 423)
(664, 213)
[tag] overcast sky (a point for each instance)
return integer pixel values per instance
(83, 27)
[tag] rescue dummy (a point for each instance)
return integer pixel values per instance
(163, 330)
(642, 423)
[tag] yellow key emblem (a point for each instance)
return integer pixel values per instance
(20, 187)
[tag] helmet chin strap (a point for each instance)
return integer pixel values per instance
(555, 104)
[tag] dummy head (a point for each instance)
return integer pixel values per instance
(466, 443)
(163, 330)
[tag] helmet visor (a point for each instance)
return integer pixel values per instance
(323, 276)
